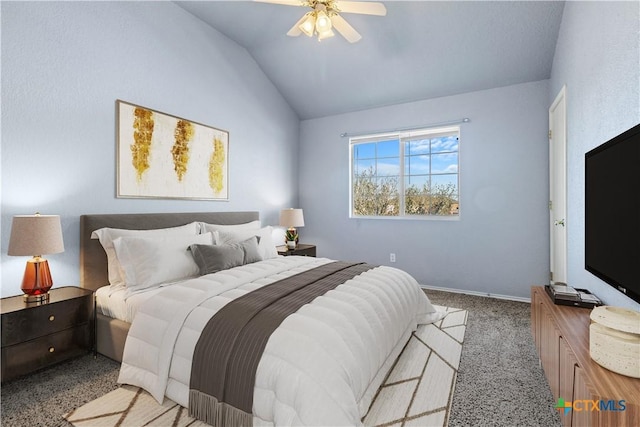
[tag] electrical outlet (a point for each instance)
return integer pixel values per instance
(392, 257)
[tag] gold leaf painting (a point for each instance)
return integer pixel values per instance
(180, 150)
(142, 134)
(164, 156)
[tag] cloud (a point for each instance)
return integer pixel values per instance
(446, 143)
(388, 167)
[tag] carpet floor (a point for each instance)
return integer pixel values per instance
(499, 380)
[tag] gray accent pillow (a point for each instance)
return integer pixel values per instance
(251, 249)
(213, 258)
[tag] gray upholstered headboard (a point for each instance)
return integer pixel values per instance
(93, 260)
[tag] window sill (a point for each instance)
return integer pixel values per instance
(411, 217)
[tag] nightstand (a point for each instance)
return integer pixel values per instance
(300, 250)
(36, 336)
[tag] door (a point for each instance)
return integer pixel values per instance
(558, 188)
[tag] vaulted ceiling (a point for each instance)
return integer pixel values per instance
(419, 50)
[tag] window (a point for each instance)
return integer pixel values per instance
(408, 174)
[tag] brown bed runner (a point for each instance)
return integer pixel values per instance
(226, 357)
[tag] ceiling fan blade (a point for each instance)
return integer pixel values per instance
(295, 31)
(365, 8)
(344, 28)
(284, 2)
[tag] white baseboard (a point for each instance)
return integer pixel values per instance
(479, 294)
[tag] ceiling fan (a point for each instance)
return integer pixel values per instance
(325, 16)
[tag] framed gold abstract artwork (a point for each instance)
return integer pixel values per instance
(164, 156)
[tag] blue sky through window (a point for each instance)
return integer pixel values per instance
(421, 157)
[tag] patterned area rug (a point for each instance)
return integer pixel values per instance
(417, 392)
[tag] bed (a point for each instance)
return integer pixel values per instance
(322, 364)
(111, 333)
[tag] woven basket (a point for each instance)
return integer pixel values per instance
(614, 339)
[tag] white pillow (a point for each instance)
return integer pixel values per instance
(253, 225)
(265, 245)
(108, 235)
(151, 261)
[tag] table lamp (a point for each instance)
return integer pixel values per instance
(36, 235)
(291, 218)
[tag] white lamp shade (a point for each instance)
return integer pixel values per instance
(35, 235)
(325, 35)
(308, 24)
(323, 23)
(291, 218)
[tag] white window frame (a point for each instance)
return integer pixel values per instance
(402, 137)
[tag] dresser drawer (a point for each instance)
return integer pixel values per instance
(24, 325)
(20, 359)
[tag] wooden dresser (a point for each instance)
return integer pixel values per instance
(561, 335)
(38, 336)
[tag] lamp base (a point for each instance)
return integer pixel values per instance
(37, 279)
(36, 299)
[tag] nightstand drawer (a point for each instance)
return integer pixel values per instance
(29, 356)
(25, 325)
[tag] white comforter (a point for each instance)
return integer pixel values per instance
(322, 366)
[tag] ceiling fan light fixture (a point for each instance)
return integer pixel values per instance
(308, 25)
(323, 23)
(325, 35)
(325, 16)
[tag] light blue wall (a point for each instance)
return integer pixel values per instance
(500, 244)
(598, 59)
(64, 64)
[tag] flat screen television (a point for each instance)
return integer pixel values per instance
(612, 212)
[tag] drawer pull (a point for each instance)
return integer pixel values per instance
(51, 349)
(52, 318)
